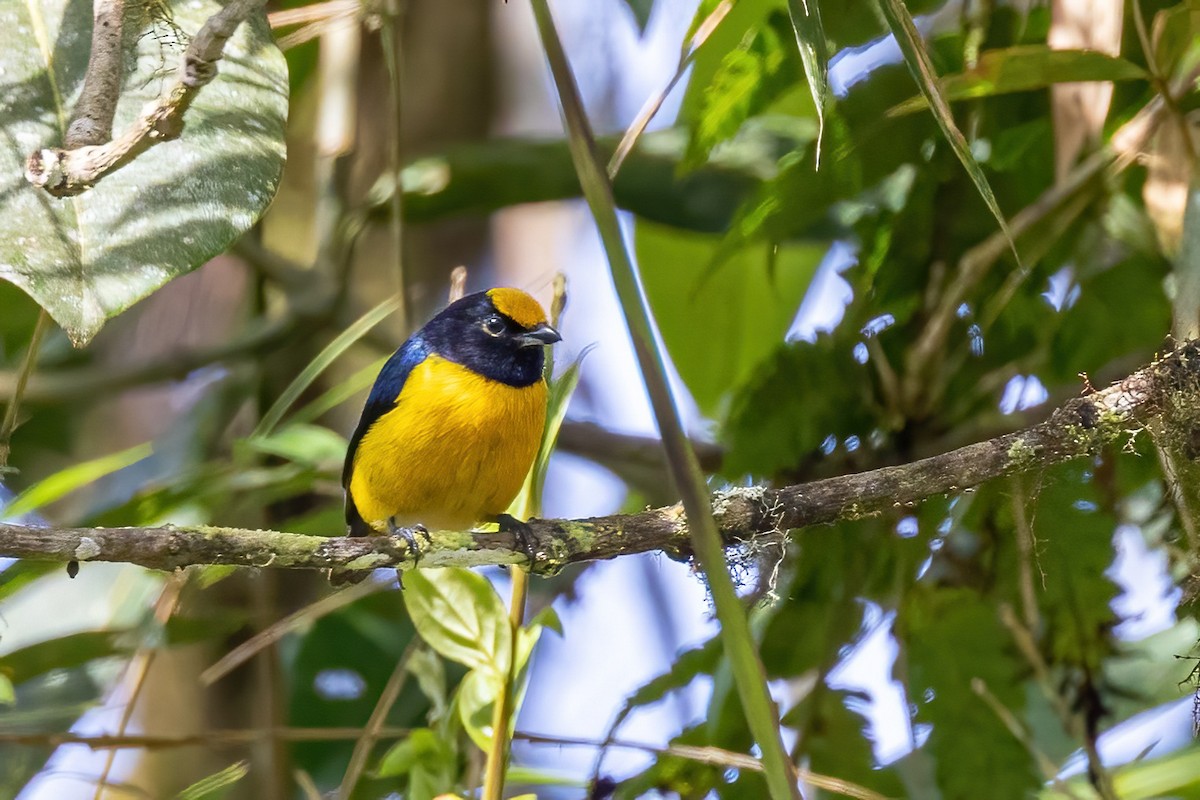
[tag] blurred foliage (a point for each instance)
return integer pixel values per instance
(1007, 629)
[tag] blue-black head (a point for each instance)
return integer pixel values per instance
(499, 334)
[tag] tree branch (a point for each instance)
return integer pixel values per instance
(71, 170)
(91, 122)
(1168, 388)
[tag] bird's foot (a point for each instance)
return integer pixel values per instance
(522, 532)
(409, 535)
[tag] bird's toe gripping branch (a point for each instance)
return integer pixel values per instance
(409, 535)
(522, 532)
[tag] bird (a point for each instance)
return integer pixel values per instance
(453, 421)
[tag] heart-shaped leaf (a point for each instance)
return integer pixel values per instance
(90, 257)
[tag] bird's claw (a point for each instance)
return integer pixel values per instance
(409, 535)
(522, 532)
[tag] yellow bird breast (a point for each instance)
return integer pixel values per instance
(453, 452)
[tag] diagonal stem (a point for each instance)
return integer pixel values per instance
(748, 671)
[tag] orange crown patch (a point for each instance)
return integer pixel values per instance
(518, 306)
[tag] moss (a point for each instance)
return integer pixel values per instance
(582, 536)
(574, 538)
(1021, 454)
(369, 561)
(454, 540)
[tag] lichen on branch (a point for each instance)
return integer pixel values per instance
(1165, 392)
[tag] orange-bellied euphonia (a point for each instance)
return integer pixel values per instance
(454, 419)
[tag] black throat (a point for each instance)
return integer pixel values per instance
(458, 338)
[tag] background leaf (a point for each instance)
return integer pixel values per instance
(720, 321)
(1024, 68)
(921, 66)
(216, 785)
(814, 54)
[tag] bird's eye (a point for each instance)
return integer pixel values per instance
(493, 325)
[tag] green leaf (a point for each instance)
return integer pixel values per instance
(311, 445)
(17, 576)
(421, 748)
(76, 476)
(952, 637)
(1175, 35)
(641, 12)
(814, 54)
(547, 618)
(475, 698)
(458, 613)
(1025, 68)
(743, 307)
(1174, 775)
(216, 785)
(88, 258)
(530, 776)
(776, 421)
(72, 650)
(921, 67)
(8, 693)
(1074, 545)
(1186, 301)
(749, 78)
(430, 673)
(529, 501)
(333, 397)
(330, 353)
(836, 742)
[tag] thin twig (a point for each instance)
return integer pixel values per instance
(1047, 767)
(216, 738)
(91, 122)
(392, 42)
(496, 767)
(293, 622)
(68, 385)
(11, 413)
(654, 102)
(366, 742)
(139, 670)
(1026, 556)
(1177, 486)
(306, 784)
(1027, 645)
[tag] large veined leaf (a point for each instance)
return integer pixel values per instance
(87, 258)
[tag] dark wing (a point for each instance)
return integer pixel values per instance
(381, 400)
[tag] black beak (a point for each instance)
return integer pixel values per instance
(542, 334)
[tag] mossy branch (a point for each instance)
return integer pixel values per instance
(1167, 390)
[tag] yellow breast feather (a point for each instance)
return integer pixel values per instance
(453, 452)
